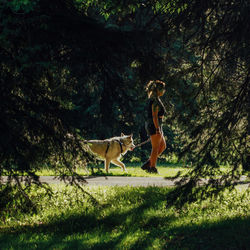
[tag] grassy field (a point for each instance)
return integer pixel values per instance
(165, 170)
(168, 170)
(126, 218)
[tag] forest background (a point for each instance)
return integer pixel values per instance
(79, 68)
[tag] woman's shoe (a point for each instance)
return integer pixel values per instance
(146, 165)
(153, 170)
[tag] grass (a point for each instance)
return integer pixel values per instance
(167, 170)
(127, 218)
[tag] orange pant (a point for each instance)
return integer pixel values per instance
(158, 146)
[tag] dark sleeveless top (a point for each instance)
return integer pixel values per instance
(149, 124)
(156, 102)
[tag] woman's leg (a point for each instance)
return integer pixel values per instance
(155, 142)
(162, 146)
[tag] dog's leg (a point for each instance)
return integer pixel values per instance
(120, 164)
(107, 163)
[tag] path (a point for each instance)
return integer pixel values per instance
(118, 181)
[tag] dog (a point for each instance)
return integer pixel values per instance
(111, 150)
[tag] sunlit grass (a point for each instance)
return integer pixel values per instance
(134, 170)
(127, 218)
(165, 170)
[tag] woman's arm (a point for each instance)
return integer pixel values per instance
(155, 110)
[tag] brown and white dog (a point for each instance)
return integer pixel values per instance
(111, 150)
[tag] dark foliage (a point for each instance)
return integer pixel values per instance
(215, 122)
(64, 75)
(72, 69)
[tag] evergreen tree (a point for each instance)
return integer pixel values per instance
(74, 69)
(214, 92)
(63, 73)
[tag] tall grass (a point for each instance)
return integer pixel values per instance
(126, 218)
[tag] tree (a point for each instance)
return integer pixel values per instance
(216, 128)
(61, 70)
(66, 64)
(36, 118)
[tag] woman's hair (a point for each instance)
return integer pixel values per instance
(153, 86)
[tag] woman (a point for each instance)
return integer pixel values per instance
(153, 125)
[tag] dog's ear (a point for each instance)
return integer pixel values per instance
(131, 135)
(122, 134)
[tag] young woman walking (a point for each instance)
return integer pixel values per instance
(155, 112)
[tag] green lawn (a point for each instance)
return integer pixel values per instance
(165, 170)
(127, 218)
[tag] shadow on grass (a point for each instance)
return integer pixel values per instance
(139, 227)
(103, 173)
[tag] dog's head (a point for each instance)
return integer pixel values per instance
(128, 141)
